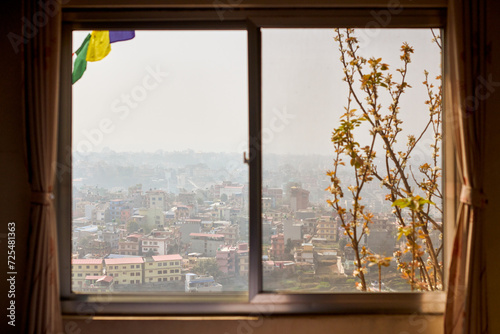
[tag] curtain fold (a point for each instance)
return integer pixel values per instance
(42, 31)
(466, 309)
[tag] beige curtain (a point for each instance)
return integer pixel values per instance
(41, 93)
(466, 309)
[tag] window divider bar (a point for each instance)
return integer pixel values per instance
(254, 159)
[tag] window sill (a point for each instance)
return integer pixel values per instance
(261, 304)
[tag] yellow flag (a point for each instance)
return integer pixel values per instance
(99, 46)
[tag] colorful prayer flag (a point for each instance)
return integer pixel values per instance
(99, 46)
(80, 61)
(95, 47)
(123, 35)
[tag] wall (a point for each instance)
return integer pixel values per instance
(14, 201)
(14, 198)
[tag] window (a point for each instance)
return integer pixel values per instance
(264, 160)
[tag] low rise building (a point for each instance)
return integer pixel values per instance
(226, 260)
(206, 243)
(326, 228)
(156, 245)
(127, 270)
(131, 246)
(81, 268)
(162, 268)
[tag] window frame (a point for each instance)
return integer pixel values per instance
(256, 301)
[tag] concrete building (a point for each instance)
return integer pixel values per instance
(242, 259)
(277, 249)
(156, 199)
(327, 228)
(158, 245)
(305, 253)
(81, 268)
(292, 230)
(230, 233)
(162, 268)
(299, 199)
(206, 243)
(226, 260)
(131, 245)
(188, 226)
(127, 270)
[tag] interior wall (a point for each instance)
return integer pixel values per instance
(405, 324)
(14, 206)
(14, 198)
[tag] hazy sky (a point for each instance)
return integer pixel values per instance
(176, 90)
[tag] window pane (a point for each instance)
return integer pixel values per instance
(318, 146)
(160, 191)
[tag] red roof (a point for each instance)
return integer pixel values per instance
(167, 257)
(86, 261)
(124, 260)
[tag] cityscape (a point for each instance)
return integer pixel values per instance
(179, 222)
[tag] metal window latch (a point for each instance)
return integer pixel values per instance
(245, 160)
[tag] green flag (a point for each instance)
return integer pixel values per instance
(80, 62)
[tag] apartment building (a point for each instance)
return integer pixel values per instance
(127, 270)
(206, 243)
(81, 268)
(327, 228)
(277, 249)
(157, 245)
(162, 268)
(131, 245)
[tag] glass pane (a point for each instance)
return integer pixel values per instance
(160, 191)
(351, 163)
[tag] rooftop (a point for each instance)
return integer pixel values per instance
(167, 257)
(86, 261)
(124, 260)
(207, 235)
